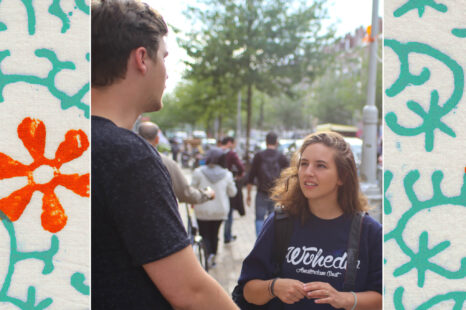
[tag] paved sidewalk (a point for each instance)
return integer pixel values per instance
(230, 256)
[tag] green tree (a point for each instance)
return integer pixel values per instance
(340, 94)
(263, 45)
(282, 112)
(194, 102)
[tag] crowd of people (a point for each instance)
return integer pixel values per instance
(306, 209)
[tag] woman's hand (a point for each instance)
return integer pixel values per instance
(324, 293)
(288, 290)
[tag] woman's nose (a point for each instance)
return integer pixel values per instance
(310, 170)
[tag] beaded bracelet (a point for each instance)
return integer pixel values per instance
(355, 300)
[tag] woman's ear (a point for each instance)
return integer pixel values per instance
(339, 181)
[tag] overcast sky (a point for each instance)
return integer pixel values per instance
(346, 14)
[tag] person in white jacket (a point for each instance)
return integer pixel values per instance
(211, 214)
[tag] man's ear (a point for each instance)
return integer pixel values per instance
(154, 142)
(139, 58)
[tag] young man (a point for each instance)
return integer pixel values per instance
(141, 256)
(266, 167)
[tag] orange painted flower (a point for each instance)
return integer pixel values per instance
(32, 134)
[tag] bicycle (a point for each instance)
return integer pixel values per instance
(197, 242)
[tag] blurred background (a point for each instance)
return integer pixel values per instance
(242, 68)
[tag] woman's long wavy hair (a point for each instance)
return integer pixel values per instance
(287, 191)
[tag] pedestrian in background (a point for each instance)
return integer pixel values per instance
(320, 194)
(183, 191)
(265, 169)
(235, 166)
(210, 214)
(175, 148)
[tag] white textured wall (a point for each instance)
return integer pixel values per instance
(61, 104)
(424, 158)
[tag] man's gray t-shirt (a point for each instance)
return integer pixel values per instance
(135, 218)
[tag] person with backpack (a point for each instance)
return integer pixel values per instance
(212, 213)
(319, 250)
(265, 169)
(235, 166)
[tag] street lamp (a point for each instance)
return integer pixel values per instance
(369, 184)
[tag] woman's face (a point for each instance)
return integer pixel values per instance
(317, 173)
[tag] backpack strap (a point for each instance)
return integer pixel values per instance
(283, 224)
(353, 252)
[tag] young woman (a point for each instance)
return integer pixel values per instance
(212, 213)
(320, 192)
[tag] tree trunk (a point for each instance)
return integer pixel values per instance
(219, 130)
(249, 93)
(261, 115)
(248, 122)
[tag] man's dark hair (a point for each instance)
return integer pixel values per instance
(271, 138)
(227, 139)
(118, 27)
(148, 131)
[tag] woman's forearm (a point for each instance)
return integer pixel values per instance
(368, 300)
(257, 292)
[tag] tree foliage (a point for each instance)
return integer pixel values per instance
(264, 45)
(340, 94)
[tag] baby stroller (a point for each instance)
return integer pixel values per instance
(197, 243)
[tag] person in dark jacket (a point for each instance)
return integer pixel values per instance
(265, 169)
(234, 164)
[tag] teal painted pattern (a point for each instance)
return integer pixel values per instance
(458, 297)
(387, 180)
(44, 78)
(55, 9)
(77, 281)
(459, 32)
(17, 256)
(67, 101)
(420, 6)
(432, 117)
(419, 259)
(81, 4)
(424, 177)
